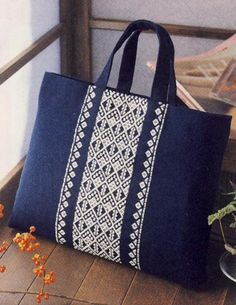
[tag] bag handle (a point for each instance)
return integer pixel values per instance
(165, 60)
(128, 61)
(127, 69)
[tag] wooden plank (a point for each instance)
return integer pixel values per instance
(105, 283)
(15, 298)
(81, 40)
(29, 299)
(19, 274)
(230, 298)
(70, 266)
(7, 197)
(210, 296)
(25, 56)
(66, 42)
(173, 29)
(229, 163)
(149, 290)
(185, 96)
(55, 300)
(10, 298)
(11, 175)
(86, 303)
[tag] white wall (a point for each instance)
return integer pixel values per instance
(213, 13)
(21, 23)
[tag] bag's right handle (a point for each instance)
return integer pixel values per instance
(160, 88)
(127, 69)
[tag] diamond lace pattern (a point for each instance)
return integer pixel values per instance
(107, 175)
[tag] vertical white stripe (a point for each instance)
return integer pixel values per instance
(67, 184)
(148, 188)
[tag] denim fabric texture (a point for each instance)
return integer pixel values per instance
(126, 177)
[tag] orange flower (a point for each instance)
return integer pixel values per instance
(1, 210)
(39, 259)
(4, 246)
(39, 271)
(2, 268)
(41, 295)
(46, 296)
(38, 298)
(26, 241)
(49, 278)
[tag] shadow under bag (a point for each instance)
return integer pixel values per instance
(126, 177)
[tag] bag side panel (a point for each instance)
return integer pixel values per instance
(184, 182)
(37, 198)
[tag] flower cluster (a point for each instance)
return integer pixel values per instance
(1, 210)
(49, 278)
(4, 245)
(2, 268)
(40, 271)
(3, 248)
(39, 259)
(42, 295)
(26, 241)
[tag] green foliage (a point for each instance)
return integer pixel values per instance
(228, 209)
(232, 193)
(233, 224)
(230, 249)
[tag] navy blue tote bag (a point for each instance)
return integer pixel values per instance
(126, 177)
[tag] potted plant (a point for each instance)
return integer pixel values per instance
(228, 259)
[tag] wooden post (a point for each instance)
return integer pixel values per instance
(66, 41)
(81, 39)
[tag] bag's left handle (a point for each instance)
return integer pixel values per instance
(165, 57)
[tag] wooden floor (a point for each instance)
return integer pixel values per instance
(85, 280)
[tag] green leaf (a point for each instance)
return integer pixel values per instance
(228, 209)
(231, 193)
(233, 225)
(233, 185)
(230, 249)
(212, 218)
